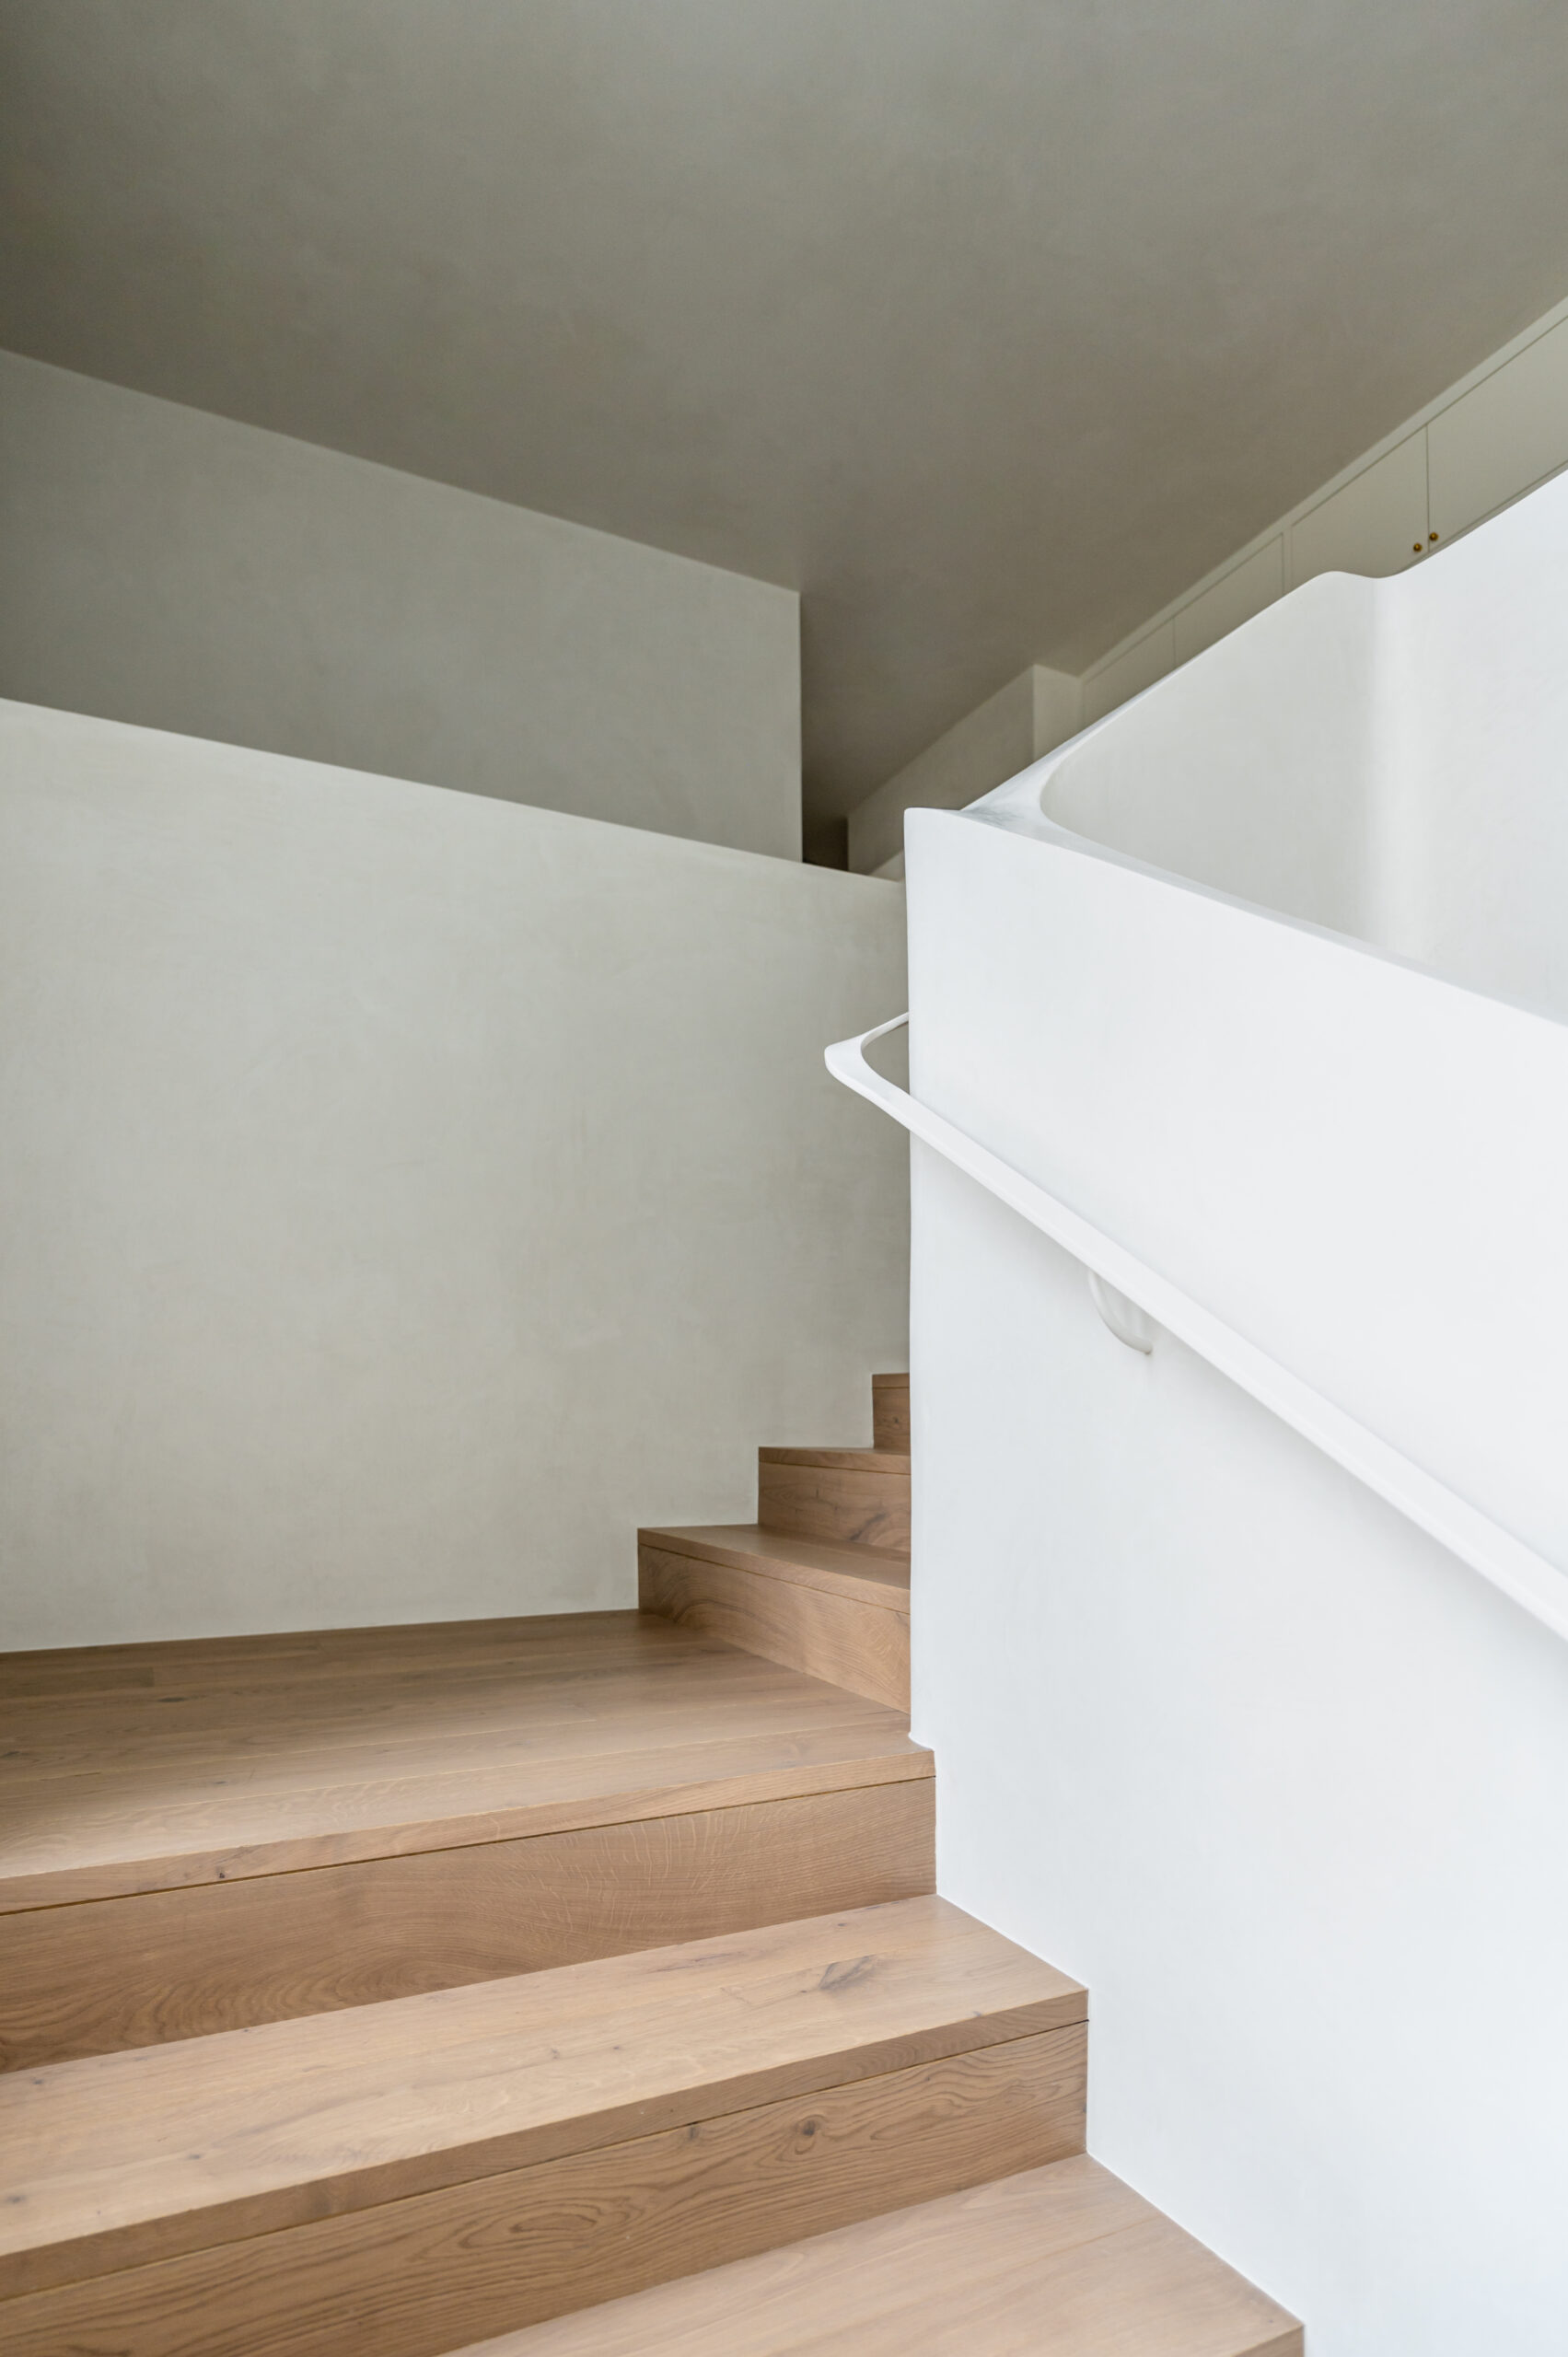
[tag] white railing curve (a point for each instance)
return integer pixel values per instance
(1494, 1552)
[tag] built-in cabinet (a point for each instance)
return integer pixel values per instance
(1499, 437)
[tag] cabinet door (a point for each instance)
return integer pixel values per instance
(1374, 524)
(1244, 591)
(1131, 673)
(1502, 436)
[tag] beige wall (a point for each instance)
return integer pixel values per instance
(173, 568)
(406, 1193)
(1033, 713)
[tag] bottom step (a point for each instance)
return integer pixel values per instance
(1064, 2261)
(399, 2178)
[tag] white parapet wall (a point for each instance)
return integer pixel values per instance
(190, 573)
(1264, 977)
(406, 1193)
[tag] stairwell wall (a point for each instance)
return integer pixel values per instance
(407, 1194)
(1220, 1732)
(187, 572)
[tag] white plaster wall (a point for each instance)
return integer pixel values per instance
(1381, 757)
(173, 568)
(406, 1193)
(1282, 1780)
(1284, 1783)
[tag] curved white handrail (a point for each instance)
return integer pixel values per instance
(1494, 1552)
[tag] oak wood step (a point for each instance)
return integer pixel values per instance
(852, 1497)
(839, 1613)
(890, 1410)
(195, 1837)
(1058, 2261)
(407, 2175)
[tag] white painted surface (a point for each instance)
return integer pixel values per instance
(1280, 1777)
(178, 570)
(1028, 716)
(405, 1194)
(1383, 758)
(1136, 1303)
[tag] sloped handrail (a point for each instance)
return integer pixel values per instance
(1494, 1552)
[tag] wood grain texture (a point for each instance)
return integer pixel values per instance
(1056, 2262)
(115, 2161)
(860, 1646)
(230, 1765)
(135, 1972)
(876, 1576)
(890, 1410)
(847, 1461)
(408, 2277)
(842, 1495)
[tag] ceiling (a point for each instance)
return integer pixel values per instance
(987, 324)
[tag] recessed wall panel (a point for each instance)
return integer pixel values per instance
(1504, 436)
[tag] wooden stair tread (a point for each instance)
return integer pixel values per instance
(856, 1460)
(876, 1576)
(127, 2158)
(293, 1657)
(1060, 2261)
(165, 1766)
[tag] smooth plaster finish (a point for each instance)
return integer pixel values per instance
(987, 327)
(187, 573)
(1024, 719)
(1381, 758)
(407, 1194)
(1263, 975)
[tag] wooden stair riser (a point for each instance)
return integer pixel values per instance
(102, 1975)
(849, 1504)
(890, 1410)
(413, 2278)
(861, 1647)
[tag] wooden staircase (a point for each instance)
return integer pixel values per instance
(384, 1990)
(821, 1579)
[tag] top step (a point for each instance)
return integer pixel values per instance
(890, 1410)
